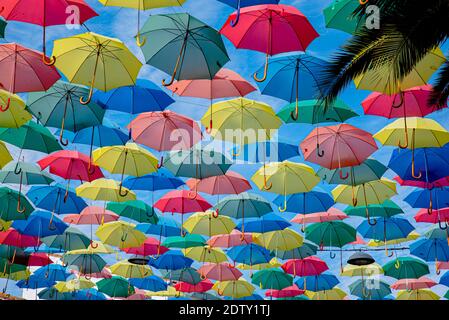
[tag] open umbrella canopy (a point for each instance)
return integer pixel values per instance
(387, 209)
(70, 239)
(386, 229)
(266, 223)
(206, 223)
(220, 272)
(206, 254)
(127, 269)
(330, 234)
(272, 279)
(188, 241)
(105, 190)
(16, 115)
(8, 205)
(324, 281)
(339, 15)
(422, 294)
(307, 202)
(250, 254)
(40, 224)
(120, 234)
(368, 289)
(115, 287)
(172, 260)
(286, 239)
(234, 288)
(136, 210)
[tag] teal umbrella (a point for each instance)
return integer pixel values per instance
(274, 279)
(406, 268)
(187, 274)
(370, 289)
(339, 16)
(8, 205)
(70, 239)
(53, 294)
(306, 250)
(31, 136)
(87, 263)
(135, 209)
(384, 210)
(116, 287)
(2, 27)
(188, 241)
(183, 46)
(60, 107)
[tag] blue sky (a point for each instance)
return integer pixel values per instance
(121, 23)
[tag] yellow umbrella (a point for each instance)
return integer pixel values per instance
(120, 234)
(284, 240)
(16, 276)
(74, 285)
(425, 133)
(142, 5)
(273, 263)
(5, 156)
(362, 271)
(333, 294)
(100, 248)
(383, 79)
(170, 292)
(15, 115)
(96, 61)
(105, 190)
(205, 254)
(129, 159)
(378, 243)
(206, 223)
(421, 294)
(234, 289)
(285, 178)
(241, 120)
(130, 270)
(373, 192)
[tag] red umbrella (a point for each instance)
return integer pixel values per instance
(288, 292)
(39, 259)
(150, 247)
(22, 70)
(332, 214)
(92, 215)
(310, 266)
(180, 201)
(225, 84)
(443, 182)
(104, 274)
(413, 284)
(219, 271)
(235, 238)
(165, 130)
(202, 286)
(271, 29)
(336, 147)
(47, 13)
(437, 216)
(14, 238)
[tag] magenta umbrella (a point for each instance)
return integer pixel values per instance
(271, 29)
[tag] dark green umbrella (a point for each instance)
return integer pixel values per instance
(183, 46)
(384, 210)
(339, 15)
(406, 268)
(189, 241)
(70, 239)
(116, 287)
(86, 262)
(60, 107)
(31, 136)
(306, 250)
(135, 209)
(313, 112)
(188, 275)
(2, 27)
(8, 205)
(53, 294)
(274, 279)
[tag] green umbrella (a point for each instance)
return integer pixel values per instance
(313, 112)
(60, 107)
(385, 210)
(6, 267)
(71, 239)
(406, 268)
(188, 275)
(86, 262)
(2, 27)
(183, 46)
(331, 234)
(31, 136)
(53, 294)
(446, 295)
(306, 250)
(275, 279)
(116, 287)
(8, 205)
(8, 252)
(189, 241)
(339, 16)
(370, 289)
(135, 209)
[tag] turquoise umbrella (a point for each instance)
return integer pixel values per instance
(116, 287)
(60, 107)
(183, 46)
(339, 15)
(135, 209)
(370, 289)
(70, 239)
(306, 250)
(275, 279)
(2, 27)
(87, 263)
(188, 274)
(8, 205)
(387, 209)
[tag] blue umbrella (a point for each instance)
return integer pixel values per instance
(43, 248)
(249, 254)
(267, 151)
(151, 283)
(237, 4)
(160, 180)
(145, 96)
(444, 280)
(34, 282)
(52, 272)
(89, 294)
(101, 136)
(307, 202)
(165, 227)
(40, 224)
(433, 163)
(430, 249)
(289, 73)
(324, 281)
(52, 198)
(436, 198)
(171, 260)
(386, 229)
(266, 223)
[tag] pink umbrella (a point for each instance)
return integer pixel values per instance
(150, 247)
(288, 292)
(14, 238)
(310, 266)
(271, 29)
(235, 238)
(202, 286)
(92, 215)
(104, 274)
(359, 241)
(219, 271)
(39, 259)
(442, 265)
(437, 216)
(165, 130)
(332, 214)
(413, 284)
(443, 182)
(336, 147)
(225, 84)
(180, 201)
(23, 70)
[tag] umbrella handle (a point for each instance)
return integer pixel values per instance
(4, 109)
(401, 102)
(387, 253)
(17, 171)
(371, 222)
(285, 206)
(295, 114)
(216, 213)
(320, 153)
(193, 195)
(183, 233)
(365, 293)
(405, 145)
(237, 18)
(89, 97)
(65, 142)
(397, 265)
(442, 227)
(345, 176)
(93, 244)
(161, 163)
(437, 270)
(363, 2)
(120, 192)
(19, 209)
(175, 71)
(354, 198)
(66, 195)
(235, 154)
(88, 276)
(211, 126)
(430, 208)
(140, 41)
(265, 72)
(332, 255)
(124, 237)
(50, 61)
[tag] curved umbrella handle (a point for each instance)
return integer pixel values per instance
(343, 177)
(183, 233)
(265, 72)
(266, 186)
(124, 237)
(211, 126)
(120, 191)
(332, 255)
(371, 222)
(193, 195)
(355, 200)
(295, 114)
(388, 253)
(19, 171)
(51, 227)
(405, 145)
(430, 208)
(235, 154)
(320, 153)
(89, 97)
(285, 205)
(161, 163)
(65, 143)
(140, 41)
(19, 208)
(175, 70)
(401, 102)
(365, 293)
(363, 2)
(50, 61)
(237, 18)
(93, 244)
(5, 108)
(216, 213)
(88, 276)
(442, 227)
(397, 265)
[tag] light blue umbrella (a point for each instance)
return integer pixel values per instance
(266, 223)
(52, 272)
(435, 198)
(34, 282)
(89, 294)
(160, 180)
(52, 198)
(100, 136)
(165, 227)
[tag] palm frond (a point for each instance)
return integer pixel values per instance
(441, 87)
